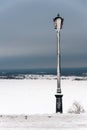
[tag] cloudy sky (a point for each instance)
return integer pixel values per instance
(28, 38)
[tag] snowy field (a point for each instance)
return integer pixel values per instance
(44, 122)
(35, 98)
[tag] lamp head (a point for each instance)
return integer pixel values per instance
(58, 22)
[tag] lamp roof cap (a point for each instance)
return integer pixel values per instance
(58, 16)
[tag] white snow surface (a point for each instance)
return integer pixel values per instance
(44, 122)
(38, 96)
(35, 98)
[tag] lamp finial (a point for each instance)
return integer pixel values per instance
(58, 15)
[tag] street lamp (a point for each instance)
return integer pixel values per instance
(58, 22)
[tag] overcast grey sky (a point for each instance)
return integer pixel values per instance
(28, 38)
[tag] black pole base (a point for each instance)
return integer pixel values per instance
(59, 105)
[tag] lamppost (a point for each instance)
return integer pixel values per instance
(58, 22)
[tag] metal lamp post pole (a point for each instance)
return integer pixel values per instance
(58, 94)
(58, 63)
(58, 22)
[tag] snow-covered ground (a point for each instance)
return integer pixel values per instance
(37, 96)
(27, 97)
(44, 122)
